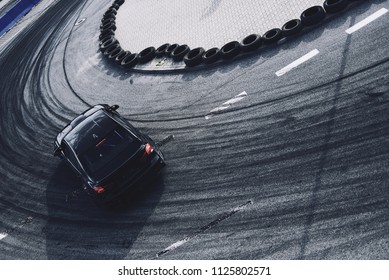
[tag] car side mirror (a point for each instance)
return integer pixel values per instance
(113, 107)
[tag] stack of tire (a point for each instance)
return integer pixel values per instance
(194, 57)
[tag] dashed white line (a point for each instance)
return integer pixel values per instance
(227, 104)
(366, 21)
(3, 235)
(297, 62)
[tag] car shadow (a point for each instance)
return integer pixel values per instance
(77, 229)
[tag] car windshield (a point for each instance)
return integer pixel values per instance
(109, 152)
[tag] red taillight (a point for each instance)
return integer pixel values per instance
(99, 189)
(148, 149)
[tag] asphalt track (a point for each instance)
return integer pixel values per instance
(297, 169)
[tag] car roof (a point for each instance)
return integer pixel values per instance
(87, 129)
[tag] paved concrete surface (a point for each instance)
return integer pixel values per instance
(201, 23)
(309, 149)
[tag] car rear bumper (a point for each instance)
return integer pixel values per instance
(131, 186)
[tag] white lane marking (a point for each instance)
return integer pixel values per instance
(227, 104)
(366, 21)
(3, 235)
(297, 62)
(203, 229)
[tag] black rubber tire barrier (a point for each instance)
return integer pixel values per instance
(108, 43)
(312, 16)
(107, 26)
(211, 56)
(251, 43)
(161, 50)
(119, 2)
(106, 38)
(110, 13)
(110, 49)
(171, 48)
(115, 53)
(179, 52)
(146, 55)
(272, 36)
(194, 57)
(230, 50)
(108, 20)
(106, 33)
(111, 16)
(130, 61)
(121, 56)
(292, 27)
(111, 10)
(334, 6)
(115, 6)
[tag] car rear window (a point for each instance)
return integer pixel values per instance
(109, 152)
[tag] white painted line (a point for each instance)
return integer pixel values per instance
(297, 62)
(3, 235)
(227, 104)
(366, 21)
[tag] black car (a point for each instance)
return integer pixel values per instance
(108, 153)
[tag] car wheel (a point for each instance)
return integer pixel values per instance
(211, 56)
(115, 53)
(312, 15)
(179, 52)
(146, 55)
(272, 36)
(292, 27)
(230, 50)
(334, 6)
(194, 57)
(251, 43)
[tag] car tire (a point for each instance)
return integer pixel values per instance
(105, 21)
(334, 6)
(106, 38)
(110, 16)
(108, 43)
(230, 50)
(251, 43)
(110, 49)
(171, 49)
(146, 55)
(272, 36)
(106, 34)
(194, 57)
(110, 25)
(130, 61)
(179, 52)
(114, 53)
(119, 58)
(292, 27)
(312, 16)
(119, 2)
(211, 56)
(161, 50)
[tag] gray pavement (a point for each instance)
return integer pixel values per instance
(309, 149)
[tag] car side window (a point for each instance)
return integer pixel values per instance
(69, 155)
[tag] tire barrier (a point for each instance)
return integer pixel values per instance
(130, 61)
(119, 58)
(110, 47)
(194, 57)
(179, 52)
(171, 49)
(115, 52)
(211, 56)
(312, 15)
(161, 50)
(272, 36)
(230, 50)
(292, 27)
(146, 55)
(251, 43)
(334, 6)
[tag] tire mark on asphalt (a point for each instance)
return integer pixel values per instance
(203, 229)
